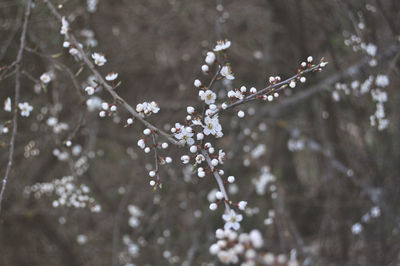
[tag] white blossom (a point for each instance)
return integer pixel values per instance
(227, 73)
(64, 26)
(232, 220)
(25, 108)
(207, 96)
(222, 45)
(7, 105)
(210, 58)
(211, 126)
(45, 78)
(111, 76)
(99, 59)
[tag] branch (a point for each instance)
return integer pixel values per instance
(218, 179)
(16, 100)
(109, 88)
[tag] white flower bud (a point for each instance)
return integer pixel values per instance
(190, 110)
(197, 83)
(152, 173)
(214, 162)
(219, 195)
(147, 131)
(231, 179)
(204, 68)
(253, 90)
(164, 145)
(271, 79)
(152, 183)
(292, 84)
(242, 205)
(129, 121)
(200, 136)
(193, 149)
(213, 206)
(309, 59)
(303, 79)
(240, 114)
(147, 150)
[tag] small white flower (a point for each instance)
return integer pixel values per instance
(45, 78)
(309, 59)
(222, 45)
(211, 126)
(382, 81)
(7, 105)
(89, 90)
(190, 110)
(221, 156)
(227, 73)
(25, 108)
(200, 158)
(242, 205)
(129, 121)
(208, 96)
(99, 59)
(66, 44)
(231, 179)
(64, 26)
(256, 239)
(111, 76)
(303, 79)
(185, 159)
(232, 220)
(356, 228)
(240, 114)
(141, 143)
(210, 58)
(292, 84)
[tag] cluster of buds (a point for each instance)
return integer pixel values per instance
(107, 109)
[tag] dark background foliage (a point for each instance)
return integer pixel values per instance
(157, 47)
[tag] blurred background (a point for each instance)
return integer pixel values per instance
(320, 166)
